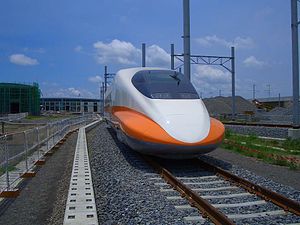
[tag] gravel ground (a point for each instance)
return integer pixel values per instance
(43, 199)
(223, 105)
(259, 131)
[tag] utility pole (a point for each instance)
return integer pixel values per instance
(105, 78)
(220, 93)
(186, 38)
(295, 62)
(253, 91)
(279, 100)
(143, 55)
(233, 81)
(216, 61)
(103, 103)
(100, 96)
(172, 57)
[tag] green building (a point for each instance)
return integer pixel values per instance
(19, 98)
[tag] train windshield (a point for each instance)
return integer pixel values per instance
(164, 84)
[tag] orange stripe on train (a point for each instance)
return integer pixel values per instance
(141, 127)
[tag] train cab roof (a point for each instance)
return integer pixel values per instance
(158, 83)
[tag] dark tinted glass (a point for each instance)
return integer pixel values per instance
(164, 84)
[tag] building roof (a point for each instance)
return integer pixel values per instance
(69, 99)
(18, 85)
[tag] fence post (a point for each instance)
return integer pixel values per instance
(26, 150)
(6, 163)
(53, 132)
(47, 137)
(38, 142)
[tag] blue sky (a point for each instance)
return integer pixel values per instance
(64, 45)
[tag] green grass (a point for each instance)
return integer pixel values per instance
(291, 144)
(265, 152)
(34, 117)
(289, 147)
(49, 117)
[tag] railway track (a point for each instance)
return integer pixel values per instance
(220, 196)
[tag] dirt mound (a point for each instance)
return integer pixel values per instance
(223, 105)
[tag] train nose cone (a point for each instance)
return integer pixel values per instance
(186, 128)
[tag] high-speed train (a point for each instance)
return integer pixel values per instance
(158, 112)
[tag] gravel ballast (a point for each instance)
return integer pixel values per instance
(126, 195)
(43, 199)
(123, 192)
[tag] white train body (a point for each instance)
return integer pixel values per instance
(158, 112)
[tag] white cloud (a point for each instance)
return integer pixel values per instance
(212, 74)
(126, 53)
(238, 42)
(23, 60)
(78, 48)
(251, 61)
(117, 51)
(209, 80)
(70, 92)
(156, 56)
(74, 91)
(95, 79)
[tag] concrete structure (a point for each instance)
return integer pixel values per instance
(71, 104)
(19, 98)
(294, 133)
(277, 101)
(81, 206)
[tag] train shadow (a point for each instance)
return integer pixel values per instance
(135, 159)
(216, 162)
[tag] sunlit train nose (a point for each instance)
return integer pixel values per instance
(185, 128)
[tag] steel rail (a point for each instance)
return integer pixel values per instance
(268, 195)
(195, 200)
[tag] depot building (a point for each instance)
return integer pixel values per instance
(76, 105)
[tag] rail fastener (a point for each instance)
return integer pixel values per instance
(49, 153)
(13, 193)
(28, 174)
(40, 162)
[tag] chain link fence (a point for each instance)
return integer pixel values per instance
(12, 117)
(21, 150)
